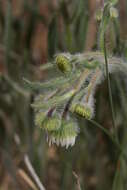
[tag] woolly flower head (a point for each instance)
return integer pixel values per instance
(65, 136)
(52, 124)
(39, 118)
(47, 123)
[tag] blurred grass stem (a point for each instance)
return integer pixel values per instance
(110, 91)
(33, 173)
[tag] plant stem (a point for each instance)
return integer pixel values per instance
(107, 133)
(109, 90)
(115, 142)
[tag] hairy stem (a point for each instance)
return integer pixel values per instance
(83, 77)
(92, 83)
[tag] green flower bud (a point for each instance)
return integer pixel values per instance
(84, 111)
(63, 63)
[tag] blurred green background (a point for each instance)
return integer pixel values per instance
(31, 32)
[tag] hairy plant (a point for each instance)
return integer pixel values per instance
(71, 93)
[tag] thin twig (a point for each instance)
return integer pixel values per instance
(33, 173)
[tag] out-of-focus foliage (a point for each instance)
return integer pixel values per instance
(31, 32)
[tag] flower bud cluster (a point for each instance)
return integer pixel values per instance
(73, 93)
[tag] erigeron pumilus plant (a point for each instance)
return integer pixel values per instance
(70, 93)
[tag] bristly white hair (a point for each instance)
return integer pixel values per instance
(68, 141)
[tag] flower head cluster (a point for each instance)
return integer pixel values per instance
(68, 94)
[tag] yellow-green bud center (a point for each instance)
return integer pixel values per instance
(63, 63)
(83, 111)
